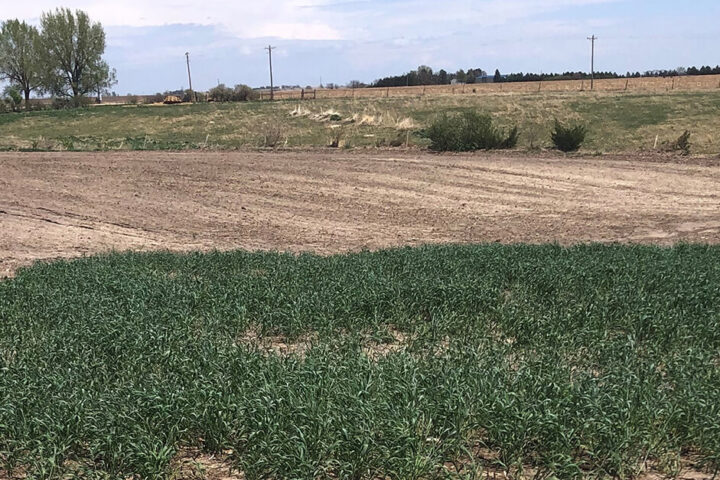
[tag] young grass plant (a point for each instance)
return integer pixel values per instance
(590, 361)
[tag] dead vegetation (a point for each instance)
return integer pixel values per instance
(193, 464)
(645, 84)
(281, 345)
(369, 117)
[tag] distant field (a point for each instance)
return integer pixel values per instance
(654, 84)
(618, 121)
(635, 85)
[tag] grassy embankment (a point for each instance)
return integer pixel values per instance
(618, 122)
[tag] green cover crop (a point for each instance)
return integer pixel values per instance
(567, 362)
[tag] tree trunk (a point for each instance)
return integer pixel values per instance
(27, 99)
(76, 95)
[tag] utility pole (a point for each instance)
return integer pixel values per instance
(187, 57)
(270, 48)
(592, 62)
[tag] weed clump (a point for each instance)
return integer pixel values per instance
(682, 144)
(568, 138)
(336, 136)
(273, 137)
(467, 132)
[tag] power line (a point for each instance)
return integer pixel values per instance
(592, 62)
(270, 48)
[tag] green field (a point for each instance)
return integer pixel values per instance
(618, 122)
(413, 363)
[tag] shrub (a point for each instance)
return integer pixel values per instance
(221, 93)
(59, 103)
(467, 132)
(533, 134)
(244, 93)
(188, 96)
(240, 93)
(157, 98)
(64, 103)
(36, 106)
(336, 135)
(273, 137)
(682, 144)
(511, 139)
(568, 138)
(399, 141)
(12, 98)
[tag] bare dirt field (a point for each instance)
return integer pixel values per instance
(55, 205)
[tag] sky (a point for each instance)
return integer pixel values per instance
(342, 40)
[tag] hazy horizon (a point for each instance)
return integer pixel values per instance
(340, 41)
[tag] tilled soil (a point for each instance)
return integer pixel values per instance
(57, 205)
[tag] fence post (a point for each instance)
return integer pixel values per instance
(302, 94)
(387, 93)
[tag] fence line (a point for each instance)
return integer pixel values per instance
(648, 84)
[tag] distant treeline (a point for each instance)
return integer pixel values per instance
(425, 75)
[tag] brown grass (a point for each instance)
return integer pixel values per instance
(654, 84)
(192, 464)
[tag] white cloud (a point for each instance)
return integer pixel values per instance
(285, 19)
(305, 19)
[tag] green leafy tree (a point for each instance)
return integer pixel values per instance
(71, 50)
(425, 75)
(19, 59)
(221, 93)
(443, 77)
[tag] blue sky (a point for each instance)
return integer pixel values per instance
(343, 40)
